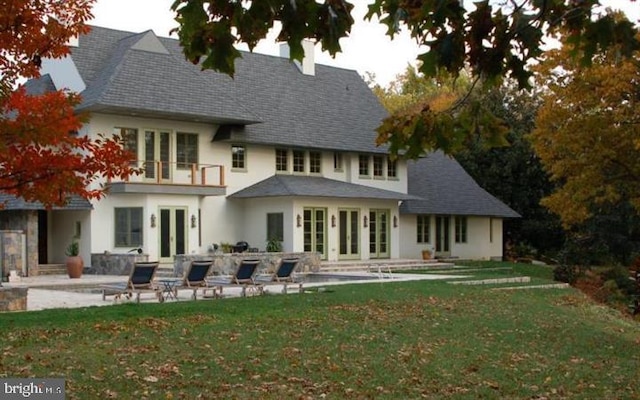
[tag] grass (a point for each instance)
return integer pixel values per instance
(391, 340)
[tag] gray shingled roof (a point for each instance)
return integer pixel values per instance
(334, 109)
(40, 86)
(11, 202)
(447, 189)
(142, 79)
(293, 185)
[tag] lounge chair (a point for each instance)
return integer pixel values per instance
(283, 275)
(195, 278)
(243, 278)
(140, 281)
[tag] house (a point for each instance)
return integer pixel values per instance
(282, 151)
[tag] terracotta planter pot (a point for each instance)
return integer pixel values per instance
(74, 266)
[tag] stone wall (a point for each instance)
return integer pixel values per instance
(26, 222)
(13, 299)
(226, 264)
(10, 253)
(114, 264)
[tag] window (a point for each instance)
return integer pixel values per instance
(128, 227)
(282, 160)
(337, 162)
(423, 224)
(186, 150)
(275, 226)
(315, 162)
(298, 161)
(378, 166)
(363, 165)
(129, 141)
(392, 168)
(238, 157)
(461, 229)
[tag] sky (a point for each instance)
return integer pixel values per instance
(366, 50)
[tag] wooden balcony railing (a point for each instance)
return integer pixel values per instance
(162, 172)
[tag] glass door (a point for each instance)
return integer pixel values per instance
(173, 233)
(157, 151)
(349, 230)
(315, 231)
(442, 237)
(379, 233)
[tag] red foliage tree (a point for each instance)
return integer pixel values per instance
(42, 155)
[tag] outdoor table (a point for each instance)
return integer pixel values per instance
(169, 288)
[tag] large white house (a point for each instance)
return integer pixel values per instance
(281, 151)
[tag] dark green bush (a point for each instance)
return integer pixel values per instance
(566, 273)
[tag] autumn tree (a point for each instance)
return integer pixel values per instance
(42, 155)
(495, 40)
(588, 134)
(511, 172)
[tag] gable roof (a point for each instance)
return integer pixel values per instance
(447, 189)
(311, 186)
(269, 101)
(141, 77)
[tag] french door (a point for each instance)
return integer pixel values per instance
(349, 229)
(443, 236)
(157, 147)
(173, 232)
(315, 236)
(379, 233)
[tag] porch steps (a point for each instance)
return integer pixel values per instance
(165, 271)
(48, 269)
(383, 265)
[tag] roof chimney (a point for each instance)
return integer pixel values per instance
(308, 66)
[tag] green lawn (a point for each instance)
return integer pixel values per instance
(425, 339)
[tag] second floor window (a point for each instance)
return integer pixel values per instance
(186, 150)
(129, 141)
(337, 162)
(282, 160)
(363, 165)
(378, 166)
(298, 161)
(392, 168)
(238, 157)
(315, 162)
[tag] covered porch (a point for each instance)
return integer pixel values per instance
(34, 239)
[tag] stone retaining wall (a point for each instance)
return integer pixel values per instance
(226, 264)
(13, 299)
(113, 263)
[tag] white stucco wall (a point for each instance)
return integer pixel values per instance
(224, 220)
(63, 227)
(478, 245)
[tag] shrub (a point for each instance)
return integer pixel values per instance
(566, 273)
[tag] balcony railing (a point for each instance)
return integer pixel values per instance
(172, 173)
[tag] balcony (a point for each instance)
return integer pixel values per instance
(162, 177)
